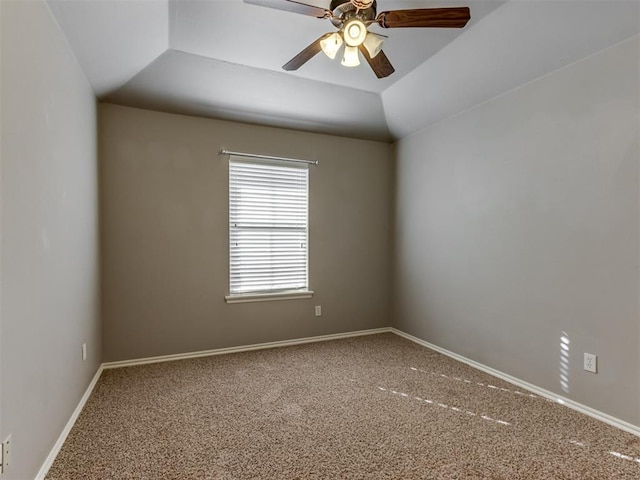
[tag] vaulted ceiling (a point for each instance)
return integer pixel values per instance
(223, 59)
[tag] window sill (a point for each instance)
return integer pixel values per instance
(268, 297)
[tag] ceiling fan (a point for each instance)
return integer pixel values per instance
(352, 19)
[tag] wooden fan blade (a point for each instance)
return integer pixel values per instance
(456, 17)
(380, 64)
(305, 55)
(292, 6)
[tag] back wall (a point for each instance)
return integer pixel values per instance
(164, 200)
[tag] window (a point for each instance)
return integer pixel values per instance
(268, 229)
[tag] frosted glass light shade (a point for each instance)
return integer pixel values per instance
(373, 44)
(350, 58)
(331, 45)
(354, 32)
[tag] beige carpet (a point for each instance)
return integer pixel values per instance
(375, 407)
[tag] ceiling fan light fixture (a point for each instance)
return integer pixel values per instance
(350, 58)
(331, 45)
(373, 44)
(355, 32)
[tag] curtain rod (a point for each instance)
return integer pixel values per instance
(268, 157)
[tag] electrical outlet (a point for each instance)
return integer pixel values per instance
(84, 352)
(318, 310)
(7, 447)
(591, 362)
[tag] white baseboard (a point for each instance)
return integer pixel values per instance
(567, 402)
(65, 432)
(245, 348)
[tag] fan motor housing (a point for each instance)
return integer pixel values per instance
(344, 9)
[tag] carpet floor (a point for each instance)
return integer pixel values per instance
(373, 407)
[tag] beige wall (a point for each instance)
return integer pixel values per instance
(164, 193)
(518, 220)
(49, 251)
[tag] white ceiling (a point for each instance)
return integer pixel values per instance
(113, 40)
(223, 58)
(266, 38)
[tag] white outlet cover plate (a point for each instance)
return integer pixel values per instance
(7, 447)
(590, 362)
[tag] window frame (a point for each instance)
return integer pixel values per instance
(275, 294)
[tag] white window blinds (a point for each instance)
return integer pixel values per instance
(268, 226)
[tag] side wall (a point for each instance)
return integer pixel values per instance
(49, 223)
(165, 235)
(517, 225)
